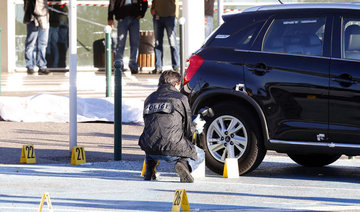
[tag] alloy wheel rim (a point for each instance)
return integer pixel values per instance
(226, 137)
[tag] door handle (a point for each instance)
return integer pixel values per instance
(345, 80)
(259, 69)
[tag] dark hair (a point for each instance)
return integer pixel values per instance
(169, 77)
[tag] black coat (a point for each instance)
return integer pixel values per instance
(120, 10)
(168, 124)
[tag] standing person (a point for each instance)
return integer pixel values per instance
(58, 36)
(128, 14)
(36, 18)
(209, 13)
(52, 50)
(168, 129)
(63, 43)
(164, 14)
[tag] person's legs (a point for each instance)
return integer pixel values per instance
(182, 168)
(134, 33)
(170, 25)
(150, 168)
(208, 26)
(52, 49)
(63, 43)
(151, 162)
(121, 39)
(182, 165)
(159, 35)
(31, 37)
(185, 166)
(42, 41)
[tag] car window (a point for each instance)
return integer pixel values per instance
(296, 36)
(351, 38)
(241, 38)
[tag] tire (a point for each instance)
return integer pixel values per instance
(245, 141)
(313, 160)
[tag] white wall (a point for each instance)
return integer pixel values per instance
(7, 24)
(193, 11)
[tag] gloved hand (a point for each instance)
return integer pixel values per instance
(199, 124)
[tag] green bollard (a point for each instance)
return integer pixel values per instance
(108, 64)
(119, 66)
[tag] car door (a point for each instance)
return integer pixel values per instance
(344, 103)
(287, 74)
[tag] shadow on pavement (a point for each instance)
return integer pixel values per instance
(56, 156)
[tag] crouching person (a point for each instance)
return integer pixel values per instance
(168, 129)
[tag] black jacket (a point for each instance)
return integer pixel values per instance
(168, 124)
(117, 8)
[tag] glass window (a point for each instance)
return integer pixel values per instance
(351, 38)
(242, 38)
(296, 36)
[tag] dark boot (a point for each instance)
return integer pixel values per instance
(150, 170)
(183, 170)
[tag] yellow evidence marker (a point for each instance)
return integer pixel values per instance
(78, 155)
(28, 154)
(144, 168)
(180, 200)
(231, 168)
(47, 197)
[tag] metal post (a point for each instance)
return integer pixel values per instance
(73, 73)
(119, 66)
(220, 7)
(182, 47)
(108, 63)
(193, 12)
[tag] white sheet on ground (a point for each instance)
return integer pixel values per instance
(55, 108)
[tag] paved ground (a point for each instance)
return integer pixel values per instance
(103, 184)
(51, 141)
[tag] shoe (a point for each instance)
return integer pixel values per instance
(150, 170)
(30, 71)
(182, 169)
(43, 71)
(177, 69)
(134, 71)
(156, 71)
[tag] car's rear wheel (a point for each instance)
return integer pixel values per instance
(313, 160)
(231, 132)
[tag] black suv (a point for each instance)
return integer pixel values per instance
(283, 78)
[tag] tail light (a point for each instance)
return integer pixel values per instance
(195, 62)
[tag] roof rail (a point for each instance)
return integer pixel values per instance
(338, 5)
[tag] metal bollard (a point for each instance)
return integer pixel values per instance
(108, 63)
(119, 66)
(182, 47)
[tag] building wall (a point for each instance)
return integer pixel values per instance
(7, 24)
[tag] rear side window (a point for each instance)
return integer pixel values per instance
(351, 38)
(238, 34)
(296, 36)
